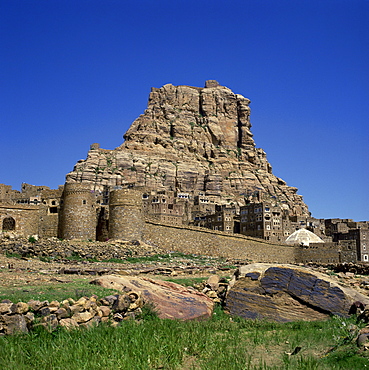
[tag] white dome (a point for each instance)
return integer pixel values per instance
(304, 237)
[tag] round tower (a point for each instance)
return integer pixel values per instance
(78, 213)
(125, 214)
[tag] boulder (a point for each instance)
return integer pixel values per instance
(20, 308)
(288, 293)
(172, 301)
(5, 308)
(68, 323)
(13, 324)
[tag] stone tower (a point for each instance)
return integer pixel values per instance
(125, 214)
(78, 213)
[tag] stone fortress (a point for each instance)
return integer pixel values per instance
(188, 173)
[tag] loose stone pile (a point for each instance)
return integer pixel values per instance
(70, 314)
(215, 288)
(84, 249)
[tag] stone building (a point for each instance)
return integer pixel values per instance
(164, 207)
(31, 211)
(262, 220)
(189, 160)
(361, 237)
(224, 219)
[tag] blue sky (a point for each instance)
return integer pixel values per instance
(77, 72)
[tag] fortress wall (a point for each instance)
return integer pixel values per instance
(215, 243)
(78, 213)
(48, 223)
(326, 253)
(25, 217)
(125, 214)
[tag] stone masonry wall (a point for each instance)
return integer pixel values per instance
(125, 215)
(78, 213)
(25, 217)
(214, 243)
(326, 253)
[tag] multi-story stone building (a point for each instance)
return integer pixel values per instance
(224, 219)
(262, 220)
(164, 207)
(360, 234)
(74, 211)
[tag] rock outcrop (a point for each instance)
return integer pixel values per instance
(288, 293)
(194, 140)
(171, 300)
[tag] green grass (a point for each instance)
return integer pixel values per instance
(74, 289)
(139, 259)
(218, 343)
(164, 257)
(187, 281)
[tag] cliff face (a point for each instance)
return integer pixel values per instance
(194, 140)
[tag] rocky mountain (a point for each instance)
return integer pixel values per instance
(193, 140)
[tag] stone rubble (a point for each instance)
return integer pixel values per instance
(85, 312)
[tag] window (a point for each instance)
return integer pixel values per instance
(84, 202)
(365, 257)
(53, 209)
(8, 224)
(53, 203)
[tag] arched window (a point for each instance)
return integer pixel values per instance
(8, 224)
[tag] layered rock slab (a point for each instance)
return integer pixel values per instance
(190, 139)
(288, 293)
(172, 301)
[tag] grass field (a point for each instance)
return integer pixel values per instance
(219, 343)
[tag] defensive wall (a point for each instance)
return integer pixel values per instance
(79, 219)
(327, 253)
(78, 214)
(187, 239)
(22, 219)
(125, 214)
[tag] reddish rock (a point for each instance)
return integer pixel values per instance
(173, 301)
